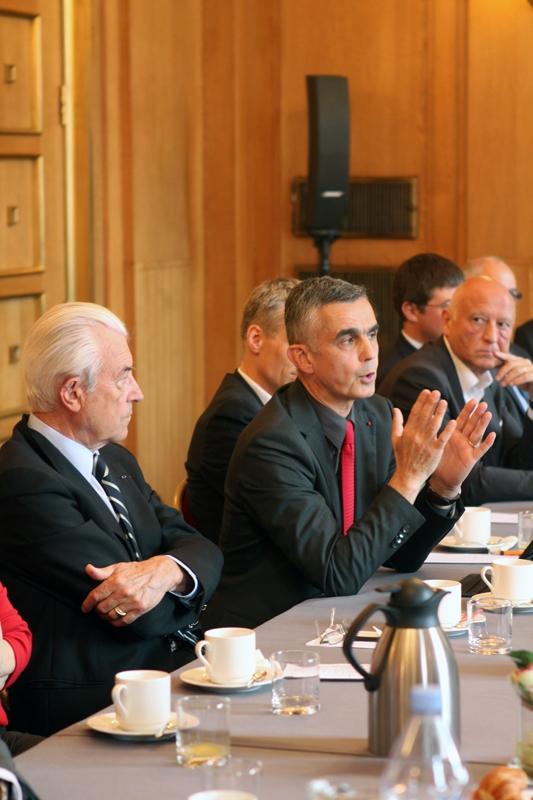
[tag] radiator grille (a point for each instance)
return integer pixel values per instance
(377, 208)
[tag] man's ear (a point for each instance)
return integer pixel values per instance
(446, 319)
(254, 338)
(410, 311)
(70, 394)
(299, 355)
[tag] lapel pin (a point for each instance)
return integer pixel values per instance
(368, 422)
(125, 476)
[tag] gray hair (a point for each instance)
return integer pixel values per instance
(264, 307)
(308, 298)
(60, 345)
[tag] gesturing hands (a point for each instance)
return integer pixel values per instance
(134, 587)
(464, 449)
(421, 452)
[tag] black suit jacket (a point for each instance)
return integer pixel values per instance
(523, 336)
(53, 523)
(402, 348)
(234, 405)
(282, 537)
(505, 471)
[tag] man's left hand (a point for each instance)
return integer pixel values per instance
(134, 587)
(463, 450)
(515, 371)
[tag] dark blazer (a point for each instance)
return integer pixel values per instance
(402, 348)
(53, 523)
(505, 471)
(523, 336)
(234, 405)
(515, 405)
(282, 537)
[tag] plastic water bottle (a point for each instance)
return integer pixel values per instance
(424, 763)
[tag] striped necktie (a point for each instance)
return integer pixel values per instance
(104, 477)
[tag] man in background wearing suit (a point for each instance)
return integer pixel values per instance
(458, 365)
(423, 286)
(306, 515)
(496, 269)
(264, 368)
(106, 576)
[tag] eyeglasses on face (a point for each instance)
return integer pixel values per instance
(516, 294)
(446, 304)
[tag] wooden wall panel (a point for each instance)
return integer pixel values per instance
(500, 129)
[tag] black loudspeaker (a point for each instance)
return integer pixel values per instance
(329, 152)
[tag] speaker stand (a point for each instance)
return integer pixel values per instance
(323, 241)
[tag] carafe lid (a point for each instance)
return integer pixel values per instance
(415, 603)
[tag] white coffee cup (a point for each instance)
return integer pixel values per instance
(449, 610)
(228, 655)
(473, 526)
(142, 699)
(512, 578)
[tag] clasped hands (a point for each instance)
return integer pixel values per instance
(447, 458)
(135, 587)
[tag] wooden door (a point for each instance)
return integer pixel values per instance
(32, 183)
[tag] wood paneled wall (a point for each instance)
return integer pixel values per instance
(198, 122)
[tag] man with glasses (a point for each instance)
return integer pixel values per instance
(423, 286)
(471, 361)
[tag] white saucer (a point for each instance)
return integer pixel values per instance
(519, 607)
(108, 723)
(455, 630)
(494, 543)
(198, 677)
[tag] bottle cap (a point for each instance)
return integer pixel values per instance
(425, 699)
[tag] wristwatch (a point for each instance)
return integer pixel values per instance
(438, 500)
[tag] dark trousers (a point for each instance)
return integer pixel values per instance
(19, 742)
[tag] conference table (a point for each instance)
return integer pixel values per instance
(77, 763)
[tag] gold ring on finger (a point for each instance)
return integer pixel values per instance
(472, 445)
(122, 613)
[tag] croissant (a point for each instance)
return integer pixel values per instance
(503, 783)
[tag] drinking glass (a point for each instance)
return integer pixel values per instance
(202, 733)
(490, 625)
(295, 682)
(525, 529)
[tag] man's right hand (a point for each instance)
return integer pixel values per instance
(417, 445)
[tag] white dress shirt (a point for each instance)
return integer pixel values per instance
(82, 458)
(260, 392)
(413, 342)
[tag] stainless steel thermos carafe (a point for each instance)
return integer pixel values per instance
(412, 649)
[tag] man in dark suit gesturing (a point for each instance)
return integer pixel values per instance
(302, 516)
(107, 577)
(472, 360)
(264, 368)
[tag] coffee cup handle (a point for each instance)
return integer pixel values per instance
(199, 654)
(116, 692)
(485, 579)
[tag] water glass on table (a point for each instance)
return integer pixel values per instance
(202, 732)
(490, 625)
(525, 528)
(295, 682)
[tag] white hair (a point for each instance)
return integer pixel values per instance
(61, 344)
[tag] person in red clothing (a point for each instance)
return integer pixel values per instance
(15, 651)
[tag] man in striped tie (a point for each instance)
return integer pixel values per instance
(107, 577)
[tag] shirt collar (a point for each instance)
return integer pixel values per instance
(263, 395)
(471, 384)
(416, 345)
(333, 424)
(78, 455)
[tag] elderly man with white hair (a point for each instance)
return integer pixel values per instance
(107, 577)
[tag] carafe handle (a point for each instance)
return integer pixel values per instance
(371, 681)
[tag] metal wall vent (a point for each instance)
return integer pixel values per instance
(378, 208)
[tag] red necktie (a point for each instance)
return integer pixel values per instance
(348, 477)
